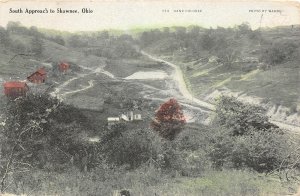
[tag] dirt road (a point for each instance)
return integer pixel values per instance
(178, 77)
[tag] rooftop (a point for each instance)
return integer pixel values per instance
(14, 84)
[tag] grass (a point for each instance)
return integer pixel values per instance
(278, 85)
(228, 182)
(150, 181)
(125, 67)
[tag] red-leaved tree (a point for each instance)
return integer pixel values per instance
(169, 120)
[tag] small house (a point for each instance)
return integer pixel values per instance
(63, 67)
(15, 89)
(38, 77)
(133, 117)
(113, 120)
(129, 117)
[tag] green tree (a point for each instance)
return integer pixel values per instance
(240, 117)
(37, 45)
(4, 37)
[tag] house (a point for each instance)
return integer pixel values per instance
(38, 77)
(15, 89)
(113, 120)
(63, 67)
(129, 117)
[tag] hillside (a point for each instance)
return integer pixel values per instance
(238, 62)
(57, 140)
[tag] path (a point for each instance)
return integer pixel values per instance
(178, 76)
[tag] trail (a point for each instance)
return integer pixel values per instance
(98, 70)
(91, 84)
(59, 88)
(178, 76)
(63, 85)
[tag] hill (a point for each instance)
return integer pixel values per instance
(258, 67)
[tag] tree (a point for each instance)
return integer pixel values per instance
(279, 52)
(240, 118)
(169, 120)
(37, 45)
(18, 46)
(59, 40)
(41, 131)
(133, 147)
(4, 37)
(243, 137)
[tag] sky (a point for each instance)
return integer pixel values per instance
(125, 15)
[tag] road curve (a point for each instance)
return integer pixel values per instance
(178, 76)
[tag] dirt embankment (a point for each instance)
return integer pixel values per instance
(278, 115)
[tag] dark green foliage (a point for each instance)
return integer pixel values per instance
(17, 46)
(77, 41)
(259, 150)
(43, 132)
(278, 53)
(37, 45)
(244, 138)
(122, 146)
(58, 39)
(4, 37)
(240, 118)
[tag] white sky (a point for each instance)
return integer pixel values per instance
(130, 14)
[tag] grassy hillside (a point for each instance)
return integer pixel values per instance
(251, 72)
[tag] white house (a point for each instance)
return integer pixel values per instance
(129, 117)
(113, 120)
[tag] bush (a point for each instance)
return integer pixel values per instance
(18, 46)
(279, 52)
(42, 132)
(259, 150)
(243, 138)
(240, 117)
(121, 146)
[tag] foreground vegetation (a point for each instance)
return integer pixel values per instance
(48, 154)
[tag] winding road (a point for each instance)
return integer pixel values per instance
(178, 77)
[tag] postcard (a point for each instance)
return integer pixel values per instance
(150, 97)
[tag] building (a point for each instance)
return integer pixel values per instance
(129, 117)
(63, 67)
(15, 89)
(38, 77)
(112, 120)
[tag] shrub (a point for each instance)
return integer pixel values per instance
(40, 131)
(278, 53)
(18, 46)
(243, 137)
(122, 146)
(240, 117)
(259, 150)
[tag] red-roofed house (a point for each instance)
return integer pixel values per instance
(63, 67)
(38, 77)
(15, 88)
